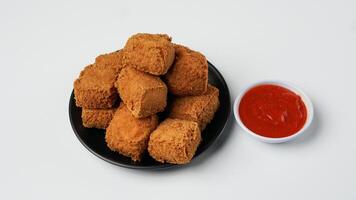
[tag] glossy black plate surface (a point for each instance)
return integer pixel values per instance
(94, 139)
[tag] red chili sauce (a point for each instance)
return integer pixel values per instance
(272, 111)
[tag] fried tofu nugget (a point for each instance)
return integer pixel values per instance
(174, 141)
(97, 118)
(112, 60)
(200, 109)
(129, 135)
(151, 53)
(189, 73)
(143, 94)
(95, 87)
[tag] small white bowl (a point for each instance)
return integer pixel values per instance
(306, 100)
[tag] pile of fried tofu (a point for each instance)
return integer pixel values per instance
(123, 91)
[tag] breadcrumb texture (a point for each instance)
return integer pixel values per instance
(200, 109)
(95, 87)
(97, 118)
(151, 53)
(189, 73)
(112, 60)
(174, 141)
(129, 135)
(143, 94)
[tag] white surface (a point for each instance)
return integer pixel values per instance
(44, 45)
(285, 84)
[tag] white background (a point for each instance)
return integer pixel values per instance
(44, 45)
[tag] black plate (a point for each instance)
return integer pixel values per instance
(94, 139)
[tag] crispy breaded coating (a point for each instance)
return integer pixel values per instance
(112, 60)
(95, 87)
(200, 109)
(143, 94)
(174, 141)
(129, 135)
(189, 73)
(151, 53)
(97, 118)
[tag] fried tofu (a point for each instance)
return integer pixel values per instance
(95, 87)
(174, 141)
(129, 135)
(200, 109)
(189, 73)
(112, 60)
(97, 118)
(143, 94)
(151, 53)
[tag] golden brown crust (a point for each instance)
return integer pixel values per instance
(129, 135)
(200, 109)
(97, 118)
(95, 87)
(143, 94)
(174, 141)
(112, 60)
(151, 53)
(189, 73)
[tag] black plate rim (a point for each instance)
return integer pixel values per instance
(165, 165)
